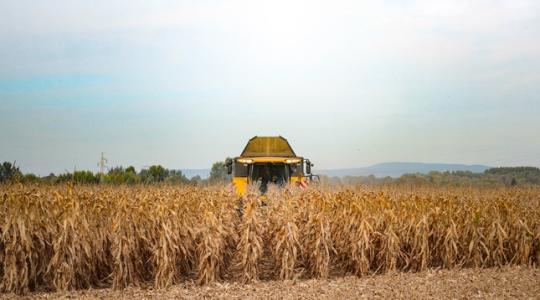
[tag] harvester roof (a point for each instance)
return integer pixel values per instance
(268, 146)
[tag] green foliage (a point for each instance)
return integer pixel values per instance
(9, 172)
(155, 173)
(196, 180)
(84, 177)
(505, 176)
(176, 177)
(516, 175)
(118, 175)
(30, 178)
(491, 177)
(513, 170)
(218, 173)
(158, 172)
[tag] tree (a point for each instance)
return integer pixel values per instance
(196, 180)
(155, 173)
(176, 177)
(158, 173)
(119, 175)
(85, 177)
(9, 172)
(30, 177)
(218, 173)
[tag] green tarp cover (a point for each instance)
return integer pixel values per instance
(268, 146)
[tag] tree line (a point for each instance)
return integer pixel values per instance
(507, 176)
(9, 172)
(504, 176)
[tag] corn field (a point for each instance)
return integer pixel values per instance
(75, 237)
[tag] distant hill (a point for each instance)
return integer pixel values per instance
(396, 169)
(189, 173)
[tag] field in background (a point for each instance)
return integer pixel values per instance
(74, 237)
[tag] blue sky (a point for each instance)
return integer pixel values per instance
(349, 83)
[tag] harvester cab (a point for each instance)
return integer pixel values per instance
(268, 161)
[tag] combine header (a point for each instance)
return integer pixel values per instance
(268, 160)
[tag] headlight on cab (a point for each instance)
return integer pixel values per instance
(245, 160)
(292, 160)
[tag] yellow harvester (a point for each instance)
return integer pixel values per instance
(268, 160)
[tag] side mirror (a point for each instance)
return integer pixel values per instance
(229, 164)
(308, 166)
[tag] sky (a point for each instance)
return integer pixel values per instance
(348, 83)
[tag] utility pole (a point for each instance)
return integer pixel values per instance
(102, 166)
